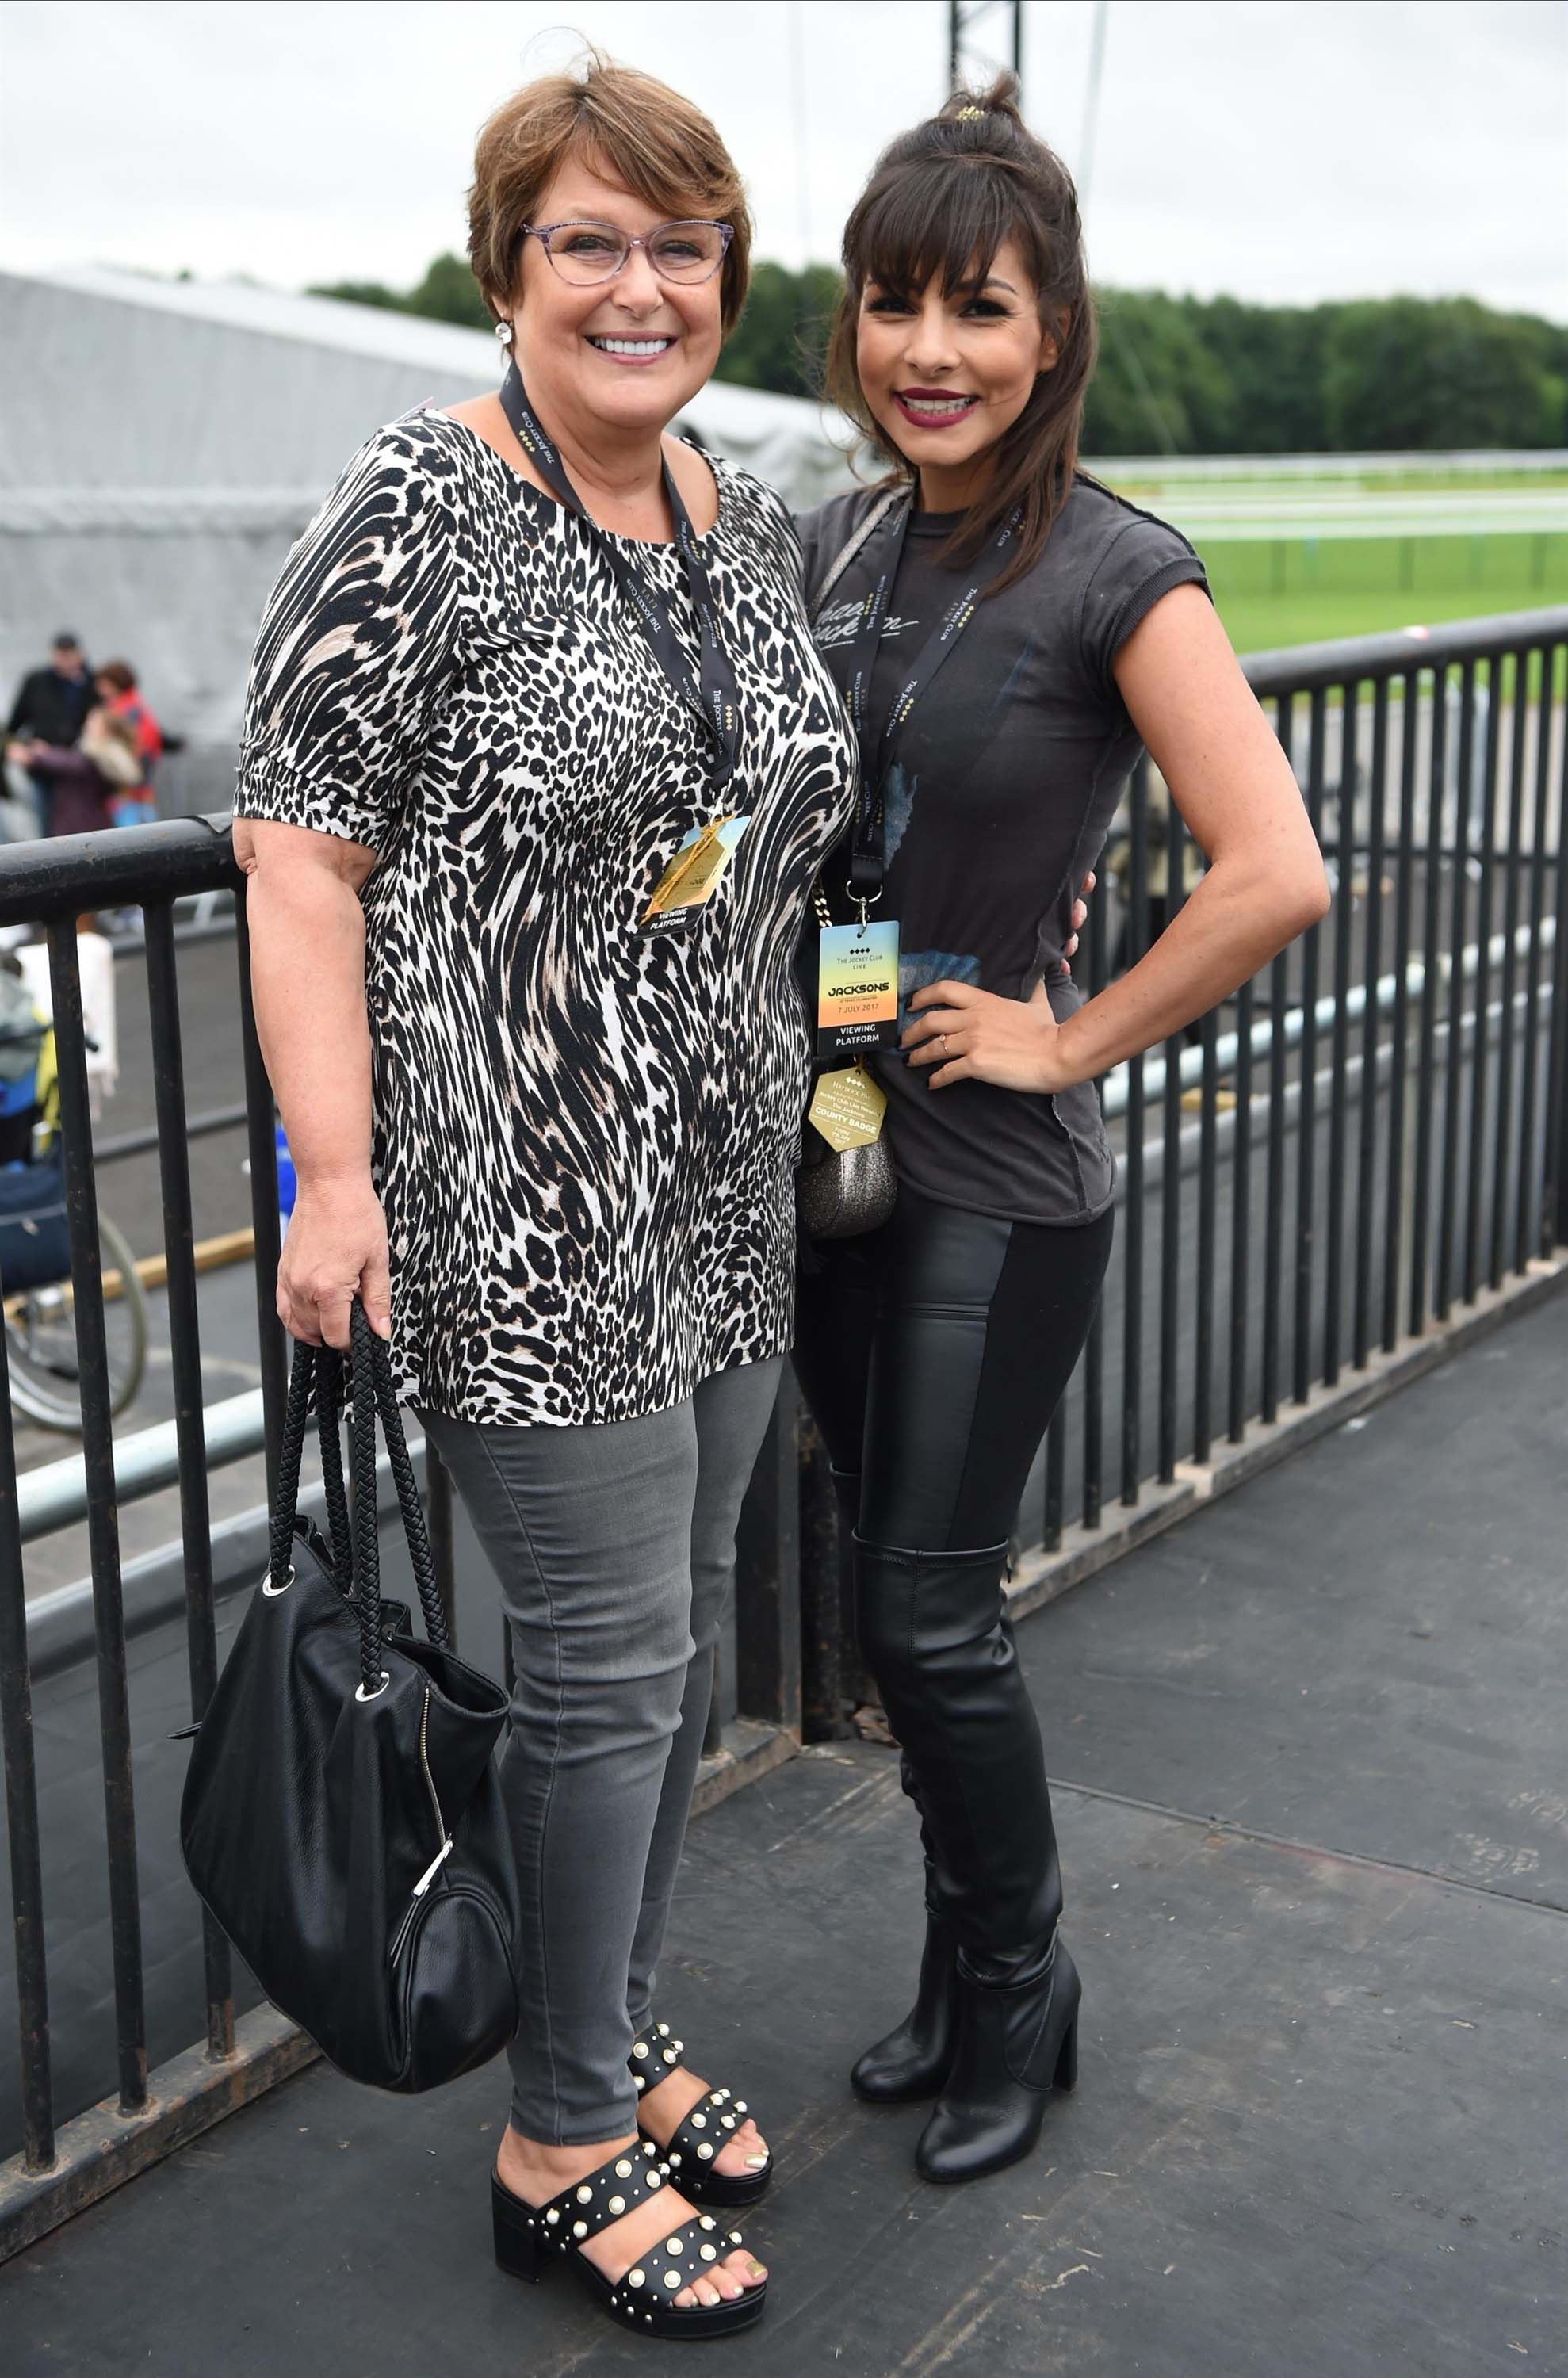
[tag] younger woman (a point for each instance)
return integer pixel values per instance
(1006, 631)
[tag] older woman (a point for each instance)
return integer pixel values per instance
(538, 769)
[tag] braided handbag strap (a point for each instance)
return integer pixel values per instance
(316, 1382)
(375, 1397)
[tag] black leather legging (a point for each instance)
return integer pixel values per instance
(933, 1353)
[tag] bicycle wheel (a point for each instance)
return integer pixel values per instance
(40, 1340)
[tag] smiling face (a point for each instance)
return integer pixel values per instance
(947, 374)
(622, 355)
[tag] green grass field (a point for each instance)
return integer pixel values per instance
(1305, 592)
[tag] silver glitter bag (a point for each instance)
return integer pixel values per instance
(848, 1191)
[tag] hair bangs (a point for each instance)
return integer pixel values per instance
(930, 220)
(648, 159)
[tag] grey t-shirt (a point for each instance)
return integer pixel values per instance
(1006, 777)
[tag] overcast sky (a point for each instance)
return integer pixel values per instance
(1281, 150)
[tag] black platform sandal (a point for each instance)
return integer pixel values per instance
(702, 2134)
(530, 2237)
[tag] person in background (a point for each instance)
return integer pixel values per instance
(120, 695)
(83, 781)
(51, 707)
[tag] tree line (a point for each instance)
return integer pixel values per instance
(1193, 375)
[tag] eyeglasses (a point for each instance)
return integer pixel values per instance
(586, 252)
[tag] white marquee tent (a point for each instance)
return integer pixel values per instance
(163, 443)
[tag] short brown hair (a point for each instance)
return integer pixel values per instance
(646, 136)
(942, 199)
(119, 674)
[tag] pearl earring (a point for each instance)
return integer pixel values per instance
(504, 332)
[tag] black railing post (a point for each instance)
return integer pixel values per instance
(1208, 1217)
(1504, 1151)
(1480, 1045)
(1137, 940)
(184, 1349)
(1307, 1058)
(1371, 1026)
(1170, 1178)
(1453, 1076)
(102, 1524)
(1529, 1221)
(767, 1574)
(272, 1350)
(1426, 1033)
(1394, 1186)
(1554, 1216)
(1094, 1347)
(1274, 1223)
(1339, 1040)
(829, 1662)
(1241, 1216)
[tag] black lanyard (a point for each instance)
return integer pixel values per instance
(852, 663)
(713, 693)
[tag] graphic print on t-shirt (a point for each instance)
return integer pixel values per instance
(836, 622)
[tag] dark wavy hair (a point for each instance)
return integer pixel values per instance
(942, 199)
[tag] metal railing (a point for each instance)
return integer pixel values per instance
(1366, 1138)
(1381, 1123)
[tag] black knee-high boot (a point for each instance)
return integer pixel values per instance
(934, 1630)
(911, 2060)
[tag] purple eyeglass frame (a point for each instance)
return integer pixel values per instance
(541, 232)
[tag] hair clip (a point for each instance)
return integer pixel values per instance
(968, 115)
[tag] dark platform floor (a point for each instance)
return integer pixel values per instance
(1316, 1843)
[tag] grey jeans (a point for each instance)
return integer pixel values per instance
(615, 1549)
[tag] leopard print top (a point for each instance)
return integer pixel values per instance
(584, 1136)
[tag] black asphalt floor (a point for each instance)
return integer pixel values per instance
(1313, 1804)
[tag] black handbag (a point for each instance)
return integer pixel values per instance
(342, 1817)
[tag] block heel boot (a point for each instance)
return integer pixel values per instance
(1016, 2044)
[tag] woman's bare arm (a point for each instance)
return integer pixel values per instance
(1232, 782)
(307, 980)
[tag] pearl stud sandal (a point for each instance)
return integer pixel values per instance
(529, 2239)
(702, 2135)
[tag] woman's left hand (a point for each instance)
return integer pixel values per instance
(970, 1034)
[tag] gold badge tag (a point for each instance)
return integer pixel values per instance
(695, 871)
(847, 1109)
